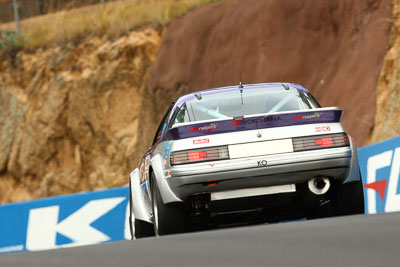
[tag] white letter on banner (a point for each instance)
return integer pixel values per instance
(77, 225)
(41, 233)
(375, 163)
(393, 200)
(43, 227)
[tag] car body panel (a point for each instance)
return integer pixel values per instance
(167, 194)
(139, 210)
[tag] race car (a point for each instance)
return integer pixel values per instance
(248, 153)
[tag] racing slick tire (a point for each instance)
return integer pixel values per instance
(168, 218)
(350, 199)
(143, 229)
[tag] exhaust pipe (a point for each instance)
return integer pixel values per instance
(319, 185)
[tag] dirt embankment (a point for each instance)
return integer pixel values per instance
(69, 116)
(334, 48)
(388, 91)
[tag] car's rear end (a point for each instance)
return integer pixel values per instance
(267, 150)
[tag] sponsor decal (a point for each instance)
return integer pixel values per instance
(166, 150)
(236, 123)
(144, 186)
(201, 141)
(256, 120)
(209, 127)
(262, 163)
(320, 129)
(316, 115)
(265, 119)
(271, 118)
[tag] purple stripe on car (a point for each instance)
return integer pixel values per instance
(253, 123)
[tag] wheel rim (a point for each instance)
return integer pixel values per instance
(155, 211)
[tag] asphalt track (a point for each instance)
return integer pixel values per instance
(363, 240)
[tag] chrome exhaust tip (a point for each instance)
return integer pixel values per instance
(319, 185)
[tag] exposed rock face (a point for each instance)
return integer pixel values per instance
(69, 116)
(387, 124)
(334, 48)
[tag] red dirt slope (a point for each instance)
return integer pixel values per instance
(334, 48)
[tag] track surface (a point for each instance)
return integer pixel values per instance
(364, 240)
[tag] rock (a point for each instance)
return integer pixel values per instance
(388, 90)
(65, 129)
(12, 113)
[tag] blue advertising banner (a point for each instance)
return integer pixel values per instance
(380, 170)
(65, 221)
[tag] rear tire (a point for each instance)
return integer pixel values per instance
(350, 199)
(168, 218)
(143, 229)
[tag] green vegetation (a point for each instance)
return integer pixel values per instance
(112, 20)
(9, 40)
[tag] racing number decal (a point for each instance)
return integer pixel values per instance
(320, 129)
(262, 163)
(201, 141)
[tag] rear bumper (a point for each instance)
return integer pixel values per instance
(291, 168)
(186, 186)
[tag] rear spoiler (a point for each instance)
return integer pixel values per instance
(324, 115)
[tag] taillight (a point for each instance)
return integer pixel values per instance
(325, 141)
(320, 141)
(199, 155)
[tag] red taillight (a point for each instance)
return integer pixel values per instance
(205, 154)
(197, 155)
(320, 141)
(327, 141)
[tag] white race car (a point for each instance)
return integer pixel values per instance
(252, 153)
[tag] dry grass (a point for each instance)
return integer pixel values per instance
(112, 20)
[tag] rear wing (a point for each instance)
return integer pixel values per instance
(254, 122)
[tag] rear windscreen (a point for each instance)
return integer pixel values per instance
(234, 102)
